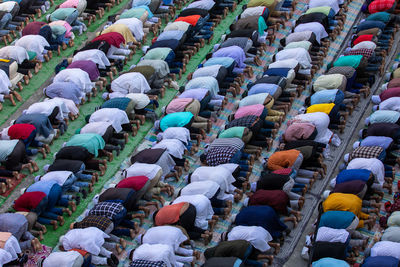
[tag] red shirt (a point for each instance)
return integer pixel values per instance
(277, 199)
(28, 201)
(112, 38)
(169, 214)
(380, 6)
(286, 171)
(135, 182)
(192, 20)
(33, 28)
(20, 131)
(363, 38)
(388, 93)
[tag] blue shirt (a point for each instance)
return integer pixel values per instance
(330, 262)
(381, 261)
(282, 72)
(351, 175)
(336, 219)
(41, 186)
(327, 96)
(381, 141)
(263, 88)
(171, 35)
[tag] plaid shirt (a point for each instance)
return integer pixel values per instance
(107, 209)
(380, 5)
(94, 221)
(233, 142)
(344, 70)
(362, 51)
(147, 263)
(252, 122)
(220, 155)
(366, 152)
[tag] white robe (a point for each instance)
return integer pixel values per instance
(45, 108)
(156, 252)
(220, 175)
(374, 165)
(77, 76)
(34, 43)
(386, 248)
(133, 82)
(99, 127)
(206, 188)
(142, 169)
(12, 247)
(58, 176)
(256, 235)
(18, 53)
(315, 27)
(94, 55)
(173, 146)
(135, 26)
(204, 210)
(64, 259)
(299, 54)
(167, 235)
(392, 103)
(180, 133)
(115, 116)
(321, 121)
(327, 234)
(90, 239)
(67, 106)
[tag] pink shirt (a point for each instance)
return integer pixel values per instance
(70, 4)
(65, 25)
(254, 110)
(299, 131)
(178, 105)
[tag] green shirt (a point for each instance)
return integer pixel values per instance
(232, 132)
(62, 13)
(92, 142)
(321, 9)
(379, 16)
(177, 119)
(386, 116)
(157, 53)
(301, 44)
(350, 61)
(132, 13)
(57, 30)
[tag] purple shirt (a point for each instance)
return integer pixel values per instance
(381, 141)
(197, 94)
(88, 66)
(234, 52)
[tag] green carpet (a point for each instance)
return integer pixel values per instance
(51, 238)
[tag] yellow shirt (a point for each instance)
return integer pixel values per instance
(123, 30)
(325, 108)
(345, 202)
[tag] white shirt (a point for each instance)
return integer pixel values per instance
(5, 83)
(180, 133)
(220, 175)
(298, 36)
(140, 100)
(58, 176)
(156, 252)
(90, 239)
(65, 259)
(94, 55)
(167, 235)
(252, 11)
(207, 71)
(45, 108)
(299, 54)
(5, 257)
(392, 103)
(34, 43)
(133, 82)
(135, 26)
(230, 166)
(315, 27)
(256, 235)
(204, 210)
(386, 248)
(328, 81)
(13, 249)
(99, 127)
(17, 53)
(173, 146)
(68, 105)
(206, 188)
(321, 121)
(326, 234)
(7, 6)
(253, 100)
(331, 3)
(177, 26)
(77, 76)
(287, 63)
(115, 116)
(374, 165)
(365, 44)
(142, 169)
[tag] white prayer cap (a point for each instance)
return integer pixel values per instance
(367, 121)
(145, 48)
(61, 238)
(376, 99)
(37, 178)
(157, 124)
(246, 201)
(23, 190)
(375, 107)
(48, 17)
(159, 136)
(346, 157)
(326, 194)
(360, 133)
(356, 144)
(163, 109)
(96, 199)
(253, 187)
(105, 95)
(138, 239)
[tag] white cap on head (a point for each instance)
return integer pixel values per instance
(46, 167)
(61, 238)
(48, 17)
(253, 187)
(96, 199)
(246, 202)
(375, 107)
(163, 109)
(159, 136)
(326, 194)
(105, 95)
(346, 157)
(23, 190)
(367, 121)
(356, 144)
(157, 124)
(138, 239)
(376, 99)
(37, 178)
(360, 133)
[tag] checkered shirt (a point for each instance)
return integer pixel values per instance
(344, 70)
(234, 142)
(252, 122)
(220, 155)
(362, 51)
(107, 209)
(366, 152)
(147, 263)
(94, 221)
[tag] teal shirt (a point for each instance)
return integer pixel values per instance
(336, 219)
(92, 142)
(62, 13)
(350, 61)
(157, 53)
(232, 132)
(262, 26)
(379, 16)
(177, 119)
(224, 61)
(388, 116)
(330, 262)
(6, 148)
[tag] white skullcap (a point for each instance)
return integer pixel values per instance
(105, 95)
(37, 178)
(367, 121)
(326, 194)
(46, 167)
(375, 107)
(376, 99)
(346, 157)
(356, 144)
(159, 136)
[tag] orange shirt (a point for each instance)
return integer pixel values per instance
(4, 236)
(169, 214)
(192, 20)
(282, 159)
